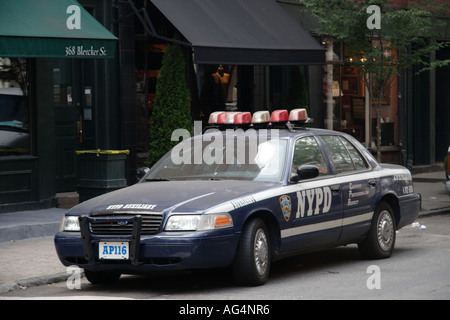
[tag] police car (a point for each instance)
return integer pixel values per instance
(250, 190)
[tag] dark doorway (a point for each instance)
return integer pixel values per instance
(74, 116)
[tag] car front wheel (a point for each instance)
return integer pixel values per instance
(253, 258)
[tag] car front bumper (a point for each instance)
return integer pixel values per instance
(162, 252)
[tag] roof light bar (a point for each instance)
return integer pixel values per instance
(225, 119)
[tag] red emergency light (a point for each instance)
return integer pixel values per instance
(279, 117)
(214, 117)
(243, 118)
(230, 117)
(222, 118)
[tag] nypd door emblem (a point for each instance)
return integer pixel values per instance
(286, 207)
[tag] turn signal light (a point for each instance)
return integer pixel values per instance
(222, 221)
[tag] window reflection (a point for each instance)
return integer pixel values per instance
(14, 109)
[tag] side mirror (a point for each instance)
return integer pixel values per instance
(305, 173)
(141, 172)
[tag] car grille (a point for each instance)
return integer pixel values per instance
(111, 223)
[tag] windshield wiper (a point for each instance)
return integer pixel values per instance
(158, 179)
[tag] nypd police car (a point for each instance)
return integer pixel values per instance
(250, 190)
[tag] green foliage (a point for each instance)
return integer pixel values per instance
(171, 108)
(406, 39)
(411, 32)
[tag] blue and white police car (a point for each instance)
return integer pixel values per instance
(248, 191)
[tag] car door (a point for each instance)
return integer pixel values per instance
(359, 185)
(316, 204)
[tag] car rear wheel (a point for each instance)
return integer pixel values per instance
(380, 241)
(101, 277)
(253, 258)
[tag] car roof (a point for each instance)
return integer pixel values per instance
(283, 131)
(288, 133)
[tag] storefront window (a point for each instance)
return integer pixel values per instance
(14, 107)
(356, 114)
(218, 87)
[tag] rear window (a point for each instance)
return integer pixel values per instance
(344, 155)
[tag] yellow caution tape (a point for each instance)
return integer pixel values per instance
(102, 152)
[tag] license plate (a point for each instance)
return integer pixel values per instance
(113, 250)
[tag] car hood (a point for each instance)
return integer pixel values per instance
(182, 196)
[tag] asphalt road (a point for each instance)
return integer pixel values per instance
(418, 269)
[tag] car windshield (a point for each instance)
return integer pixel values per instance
(234, 159)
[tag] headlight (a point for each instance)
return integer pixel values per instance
(199, 222)
(69, 223)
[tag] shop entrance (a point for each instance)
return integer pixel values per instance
(74, 116)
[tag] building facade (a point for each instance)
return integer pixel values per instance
(58, 93)
(93, 86)
(98, 95)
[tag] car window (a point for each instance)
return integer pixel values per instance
(237, 159)
(343, 154)
(358, 160)
(308, 152)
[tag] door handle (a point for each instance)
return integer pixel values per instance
(372, 182)
(335, 189)
(80, 129)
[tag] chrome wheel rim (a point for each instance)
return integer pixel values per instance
(385, 231)
(261, 252)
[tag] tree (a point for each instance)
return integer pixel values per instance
(382, 40)
(171, 108)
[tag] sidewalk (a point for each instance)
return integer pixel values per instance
(27, 254)
(28, 257)
(431, 186)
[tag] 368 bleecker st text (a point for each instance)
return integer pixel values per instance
(82, 51)
(235, 309)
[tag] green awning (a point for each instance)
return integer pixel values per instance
(52, 29)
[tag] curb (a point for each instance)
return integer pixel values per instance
(33, 282)
(434, 212)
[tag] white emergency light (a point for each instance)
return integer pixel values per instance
(298, 116)
(261, 118)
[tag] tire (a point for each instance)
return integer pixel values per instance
(380, 241)
(252, 262)
(98, 277)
